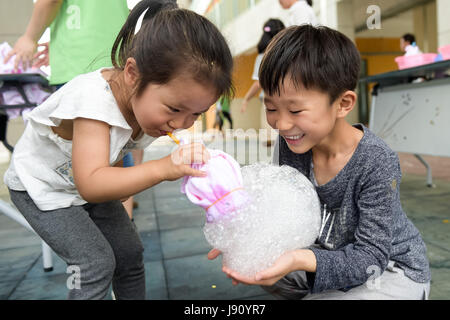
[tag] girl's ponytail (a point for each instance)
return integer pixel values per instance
(123, 43)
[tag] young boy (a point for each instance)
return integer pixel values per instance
(368, 248)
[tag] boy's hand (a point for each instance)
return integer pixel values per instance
(283, 265)
(178, 164)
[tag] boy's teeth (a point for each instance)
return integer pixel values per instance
(293, 137)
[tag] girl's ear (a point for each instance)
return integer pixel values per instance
(131, 73)
(346, 103)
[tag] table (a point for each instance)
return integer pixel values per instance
(413, 117)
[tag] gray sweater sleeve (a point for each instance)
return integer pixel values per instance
(352, 264)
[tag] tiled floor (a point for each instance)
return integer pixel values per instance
(175, 247)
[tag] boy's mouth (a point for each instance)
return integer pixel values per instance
(294, 140)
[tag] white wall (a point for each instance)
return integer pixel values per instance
(244, 32)
(443, 21)
(14, 17)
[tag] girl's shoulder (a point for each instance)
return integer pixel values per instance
(85, 96)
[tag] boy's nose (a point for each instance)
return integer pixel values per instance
(283, 124)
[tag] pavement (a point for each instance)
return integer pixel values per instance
(175, 247)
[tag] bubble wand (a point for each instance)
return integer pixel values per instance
(173, 138)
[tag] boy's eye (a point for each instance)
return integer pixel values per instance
(295, 112)
(271, 110)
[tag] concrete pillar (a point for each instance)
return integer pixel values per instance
(339, 16)
(14, 17)
(443, 23)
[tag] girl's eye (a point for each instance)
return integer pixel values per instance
(173, 109)
(271, 110)
(296, 112)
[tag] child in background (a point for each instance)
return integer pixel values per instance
(408, 45)
(270, 29)
(223, 111)
(367, 247)
(62, 175)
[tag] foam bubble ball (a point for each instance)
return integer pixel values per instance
(283, 214)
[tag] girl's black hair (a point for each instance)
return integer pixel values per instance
(310, 2)
(270, 29)
(173, 42)
(313, 57)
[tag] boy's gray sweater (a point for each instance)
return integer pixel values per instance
(365, 225)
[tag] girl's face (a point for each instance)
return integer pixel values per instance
(303, 117)
(171, 106)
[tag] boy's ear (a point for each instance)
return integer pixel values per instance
(346, 103)
(131, 72)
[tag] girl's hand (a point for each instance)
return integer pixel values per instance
(24, 50)
(178, 164)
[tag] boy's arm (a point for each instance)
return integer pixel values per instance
(98, 182)
(353, 264)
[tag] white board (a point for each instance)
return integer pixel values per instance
(414, 118)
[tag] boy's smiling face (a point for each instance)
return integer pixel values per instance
(303, 117)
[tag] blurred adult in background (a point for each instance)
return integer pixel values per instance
(270, 29)
(82, 33)
(300, 12)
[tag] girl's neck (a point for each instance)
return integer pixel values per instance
(122, 94)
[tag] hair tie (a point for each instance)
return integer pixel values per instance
(139, 21)
(267, 29)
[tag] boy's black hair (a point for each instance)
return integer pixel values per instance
(310, 2)
(315, 57)
(270, 29)
(409, 38)
(172, 42)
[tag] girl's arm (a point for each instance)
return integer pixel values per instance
(44, 12)
(97, 181)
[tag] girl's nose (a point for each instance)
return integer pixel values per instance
(178, 123)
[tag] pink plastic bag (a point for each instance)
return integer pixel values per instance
(405, 62)
(10, 95)
(221, 192)
(445, 52)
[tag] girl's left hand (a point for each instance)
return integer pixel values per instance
(283, 265)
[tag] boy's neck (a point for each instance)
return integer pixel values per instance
(341, 142)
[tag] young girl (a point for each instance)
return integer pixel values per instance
(65, 176)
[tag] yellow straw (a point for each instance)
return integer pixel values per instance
(173, 138)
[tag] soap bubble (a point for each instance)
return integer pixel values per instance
(283, 215)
